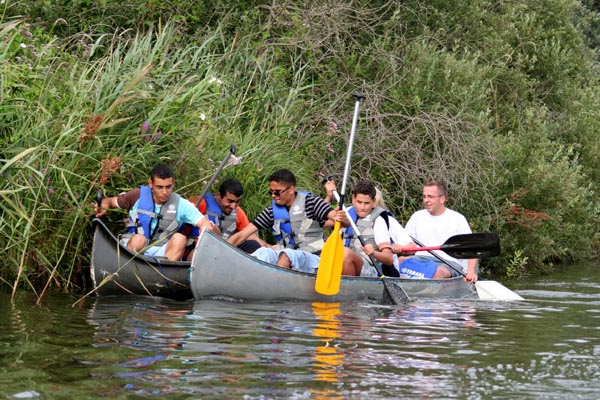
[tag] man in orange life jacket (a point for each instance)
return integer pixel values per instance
(222, 209)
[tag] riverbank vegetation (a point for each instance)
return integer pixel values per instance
(501, 100)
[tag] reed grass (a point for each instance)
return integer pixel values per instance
(91, 123)
(512, 128)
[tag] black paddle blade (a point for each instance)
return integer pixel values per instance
(393, 293)
(472, 245)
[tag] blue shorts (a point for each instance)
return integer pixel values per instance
(157, 251)
(154, 251)
(301, 260)
(425, 267)
(414, 268)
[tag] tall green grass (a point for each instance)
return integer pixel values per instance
(82, 122)
(500, 102)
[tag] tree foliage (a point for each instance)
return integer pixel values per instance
(499, 99)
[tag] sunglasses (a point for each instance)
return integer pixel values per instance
(278, 192)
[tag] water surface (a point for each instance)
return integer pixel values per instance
(547, 347)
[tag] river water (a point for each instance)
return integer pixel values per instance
(547, 347)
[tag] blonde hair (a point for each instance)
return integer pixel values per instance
(379, 198)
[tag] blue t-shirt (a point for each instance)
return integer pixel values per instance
(187, 213)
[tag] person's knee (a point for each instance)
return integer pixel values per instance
(352, 264)
(284, 261)
(178, 240)
(442, 273)
(349, 269)
(176, 247)
(136, 242)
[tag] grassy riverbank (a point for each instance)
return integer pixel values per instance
(501, 102)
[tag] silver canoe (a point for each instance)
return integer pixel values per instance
(220, 270)
(116, 270)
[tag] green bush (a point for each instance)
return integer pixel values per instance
(498, 99)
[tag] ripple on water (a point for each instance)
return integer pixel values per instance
(544, 347)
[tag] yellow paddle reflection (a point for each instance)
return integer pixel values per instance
(327, 358)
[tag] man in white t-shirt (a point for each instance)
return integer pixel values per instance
(435, 224)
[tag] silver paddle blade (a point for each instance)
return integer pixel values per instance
(393, 293)
(492, 290)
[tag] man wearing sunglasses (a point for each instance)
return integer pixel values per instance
(296, 220)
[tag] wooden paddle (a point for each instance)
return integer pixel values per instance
(470, 245)
(329, 274)
(486, 290)
(393, 291)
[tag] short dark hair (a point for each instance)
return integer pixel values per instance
(365, 187)
(161, 171)
(283, 176)
(232, 186)
(441, 187)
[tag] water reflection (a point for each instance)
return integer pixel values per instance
(327, 331)
(327, 357)
(545, 347)
(146, 323)
(143, 333)
(228, 346)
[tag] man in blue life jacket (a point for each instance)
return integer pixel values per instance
(155, 215)
(432, 226)
(223, 209)
(296, 220)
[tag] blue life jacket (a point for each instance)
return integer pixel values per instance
(349, 232)
(284, 234)
(296, 231)
(227, 223)
(140, 221)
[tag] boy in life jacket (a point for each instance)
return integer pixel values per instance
(223, 210)
(435, 224)
(404, 265)
(296, 220)
(155, 215)
(379, 231)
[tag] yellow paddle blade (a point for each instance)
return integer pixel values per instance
(329, 274)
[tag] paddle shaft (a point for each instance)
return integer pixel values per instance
(329, 273)
(439, 257)
(453, 252)
(358, 97)
(216, 174)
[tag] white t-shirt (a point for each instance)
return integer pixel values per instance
(434, 230)
(396, 232)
